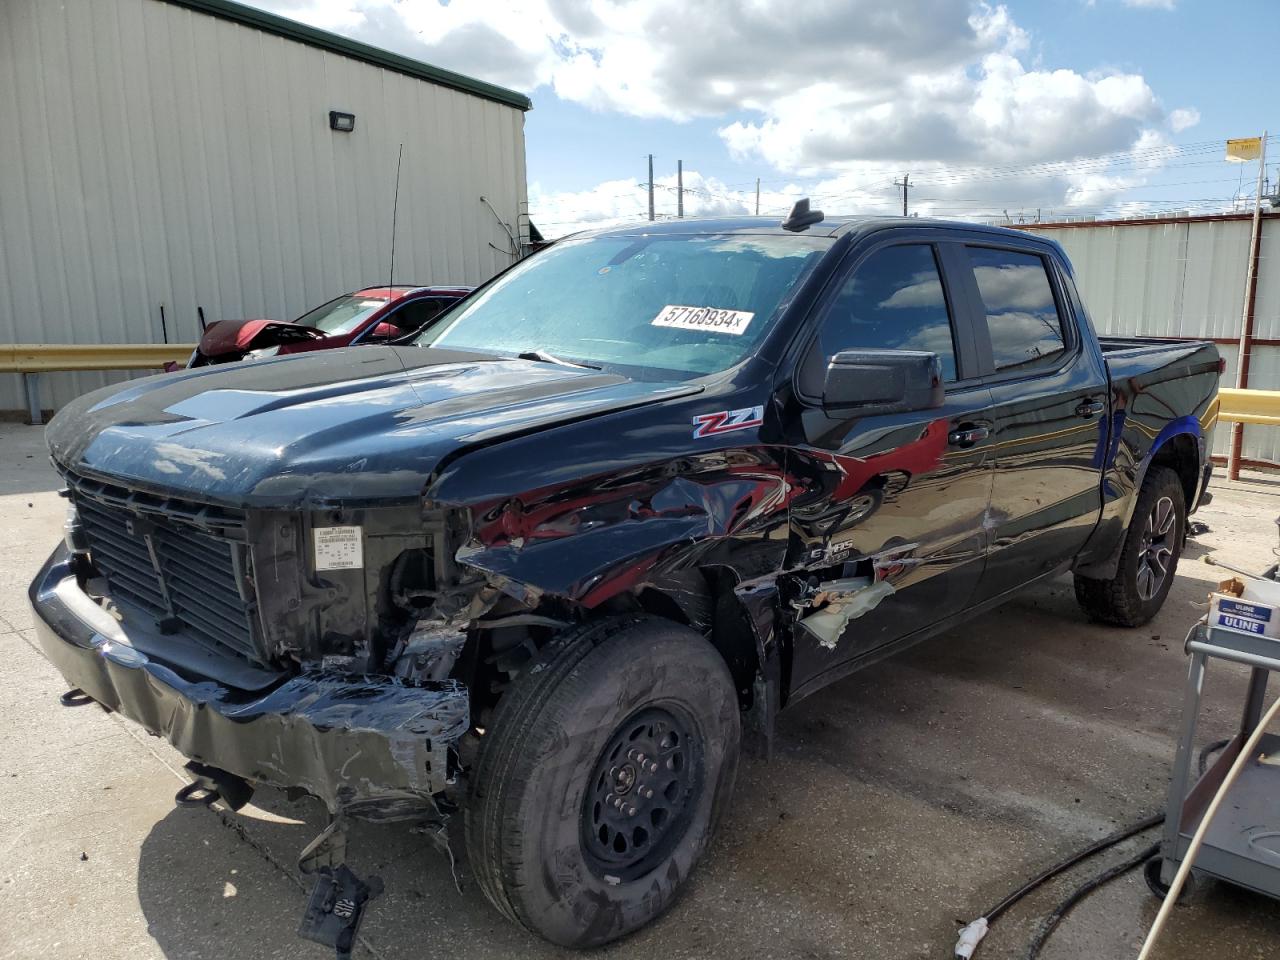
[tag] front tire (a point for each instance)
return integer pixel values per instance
(1148, 558)
(609, 764)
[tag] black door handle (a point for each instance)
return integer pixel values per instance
(967, 434)
(1090, 408)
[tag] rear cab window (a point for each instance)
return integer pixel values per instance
(1021, 310)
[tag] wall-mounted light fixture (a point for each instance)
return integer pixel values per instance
(342, 122)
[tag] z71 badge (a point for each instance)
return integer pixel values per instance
(726, 421)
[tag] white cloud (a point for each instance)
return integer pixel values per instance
(1151, 4)
(838, 95)
(937, 189)
(918, 79)
(1183, 118)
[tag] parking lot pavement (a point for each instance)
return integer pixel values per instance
(905, 798)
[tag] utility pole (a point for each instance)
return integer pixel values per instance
(1246, 319)
(904, 183)
(757, 196)
(651, 186)
(679, 188)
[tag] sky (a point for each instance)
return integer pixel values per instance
(1017, 110)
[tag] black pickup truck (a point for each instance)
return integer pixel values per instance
(558, 558)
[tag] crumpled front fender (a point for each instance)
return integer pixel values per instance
(610, 534)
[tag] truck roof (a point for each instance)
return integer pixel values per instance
(829, 227)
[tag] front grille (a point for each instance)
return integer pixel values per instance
(188, 580)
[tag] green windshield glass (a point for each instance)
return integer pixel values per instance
(685, 304)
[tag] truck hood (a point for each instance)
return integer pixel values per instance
(355, 426)
(237, 336)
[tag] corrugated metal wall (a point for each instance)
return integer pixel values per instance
(1185, 278)
(154, 155)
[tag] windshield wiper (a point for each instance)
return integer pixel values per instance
(543, 357)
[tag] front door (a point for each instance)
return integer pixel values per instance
(887, 520)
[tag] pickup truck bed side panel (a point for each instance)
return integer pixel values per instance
(1160, 392)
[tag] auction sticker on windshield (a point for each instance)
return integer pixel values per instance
(711, 319)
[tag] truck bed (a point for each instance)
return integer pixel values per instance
(1112, 345)
(1147, 360)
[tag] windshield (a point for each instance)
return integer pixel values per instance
(689, 305)
(342, 315)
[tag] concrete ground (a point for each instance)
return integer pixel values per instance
(902, 799)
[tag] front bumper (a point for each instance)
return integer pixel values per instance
(366, 746)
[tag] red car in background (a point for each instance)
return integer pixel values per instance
(371, 315)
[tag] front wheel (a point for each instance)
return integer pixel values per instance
(1148, 558)
(609, 763)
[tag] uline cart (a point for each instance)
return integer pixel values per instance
(1242, 845)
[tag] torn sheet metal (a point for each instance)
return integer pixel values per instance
(594, 540)
(840, 601)
(429, 652)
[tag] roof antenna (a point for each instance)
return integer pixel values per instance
(801, 217)
(391, 274)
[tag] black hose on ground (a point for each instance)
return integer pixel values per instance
(1109, 841)
(1050, 923)
(972, 934)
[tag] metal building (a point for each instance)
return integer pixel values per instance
(181, 154)
(1185, 277)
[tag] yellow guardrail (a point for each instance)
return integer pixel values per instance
(33, 359)
(1250, 406)
(49, 357)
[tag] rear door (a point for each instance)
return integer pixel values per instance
(899, 498)
(1049, 396)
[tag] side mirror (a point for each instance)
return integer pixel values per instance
(383, 331)
(863, 383)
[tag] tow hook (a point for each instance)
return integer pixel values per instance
(210, 784)
(338, 900)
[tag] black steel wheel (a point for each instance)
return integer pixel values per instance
(601, 779)
(638, 804)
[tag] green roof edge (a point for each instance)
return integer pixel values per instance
(323, 39)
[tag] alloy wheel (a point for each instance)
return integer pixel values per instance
(1155, 550)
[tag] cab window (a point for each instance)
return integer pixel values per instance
(1022, 313)
(894, 300)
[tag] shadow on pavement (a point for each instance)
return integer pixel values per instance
(199, 906)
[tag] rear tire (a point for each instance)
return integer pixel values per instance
(608, 766)
(1148, 559)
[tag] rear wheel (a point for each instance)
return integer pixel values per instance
(609, 764)
(1148, 559)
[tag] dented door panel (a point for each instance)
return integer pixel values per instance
(894, 500)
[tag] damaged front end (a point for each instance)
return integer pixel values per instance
(315, 651)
